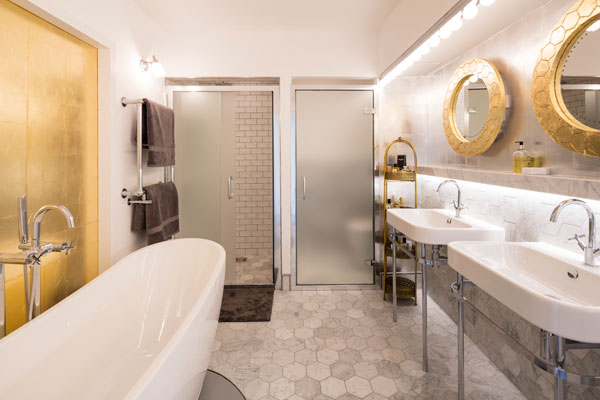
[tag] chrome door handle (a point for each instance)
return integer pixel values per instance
(303, 188)
(230, 187)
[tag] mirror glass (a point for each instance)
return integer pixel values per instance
(580, 80)
(472, 108)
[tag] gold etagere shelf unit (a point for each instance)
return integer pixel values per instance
(405, 288)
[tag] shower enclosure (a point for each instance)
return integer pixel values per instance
(224, 175)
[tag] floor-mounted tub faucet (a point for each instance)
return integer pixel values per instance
(591, 252)
(31, 257)
(39, 250)
(458, 205)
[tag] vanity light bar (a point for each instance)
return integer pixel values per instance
(451, 22)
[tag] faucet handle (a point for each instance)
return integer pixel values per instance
(23, 228)
(458, 207)
(578, 239)
(63, 247)
(67, 247)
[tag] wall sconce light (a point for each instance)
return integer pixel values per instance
(158, 71)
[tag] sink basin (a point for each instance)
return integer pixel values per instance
(432, 226)
(534, 280)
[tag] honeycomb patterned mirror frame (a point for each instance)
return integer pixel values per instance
(489, 74)
(550, 109)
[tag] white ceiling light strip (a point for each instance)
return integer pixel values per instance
(450, 23)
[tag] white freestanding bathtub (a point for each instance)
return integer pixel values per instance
(141, 330)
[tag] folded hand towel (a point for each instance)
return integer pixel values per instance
(160, 219)
(158, 132)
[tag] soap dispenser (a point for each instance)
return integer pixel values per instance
(521, 158)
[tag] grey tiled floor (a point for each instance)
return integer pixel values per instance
(257, 269)
(343, 345)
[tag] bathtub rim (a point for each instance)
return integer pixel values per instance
(155, 365)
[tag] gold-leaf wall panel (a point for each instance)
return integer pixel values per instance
(49, 150)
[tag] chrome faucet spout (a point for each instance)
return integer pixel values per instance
(590, 250)
(39, 215)
(458, 205)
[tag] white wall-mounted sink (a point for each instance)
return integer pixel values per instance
(546, 285)
(433, 226)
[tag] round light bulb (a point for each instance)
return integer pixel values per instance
(415, 56)
(466, 83)
(473, 78)
(434, 40)
(486, 2)
(456, 22)
(446, 30)
(424, 49)
(594, 27)
(470, 11)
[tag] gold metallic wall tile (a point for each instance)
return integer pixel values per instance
(48, 128)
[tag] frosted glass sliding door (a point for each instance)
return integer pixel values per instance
(205, 167)
(224, 175)
(334, 186)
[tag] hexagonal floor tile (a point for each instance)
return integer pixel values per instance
(333, 387)
(281, 389)
(365, 370)
(327, 356)
(304, 333)
(358, 386)
(256, 388)
(341, 370)
(383, 386)
(318, 371)
(270, 372)
(294, 371)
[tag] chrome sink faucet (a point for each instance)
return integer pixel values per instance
(591, 252)
(458, 205)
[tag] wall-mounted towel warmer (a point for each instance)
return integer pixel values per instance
(138, 196)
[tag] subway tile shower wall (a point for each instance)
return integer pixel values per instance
(525, 217)
(254, 173)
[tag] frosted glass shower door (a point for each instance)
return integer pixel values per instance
(205, 167)
(334, 201)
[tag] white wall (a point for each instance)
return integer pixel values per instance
(125, 35)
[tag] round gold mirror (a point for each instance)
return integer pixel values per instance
(474, 107)
(566, 80)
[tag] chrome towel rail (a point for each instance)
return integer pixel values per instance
(137, 196)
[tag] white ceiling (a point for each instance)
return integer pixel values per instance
(343, 15)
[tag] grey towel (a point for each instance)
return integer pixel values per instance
(160, 219)
(158, 132)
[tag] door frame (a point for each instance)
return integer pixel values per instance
(294, 182)
(276, 143)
